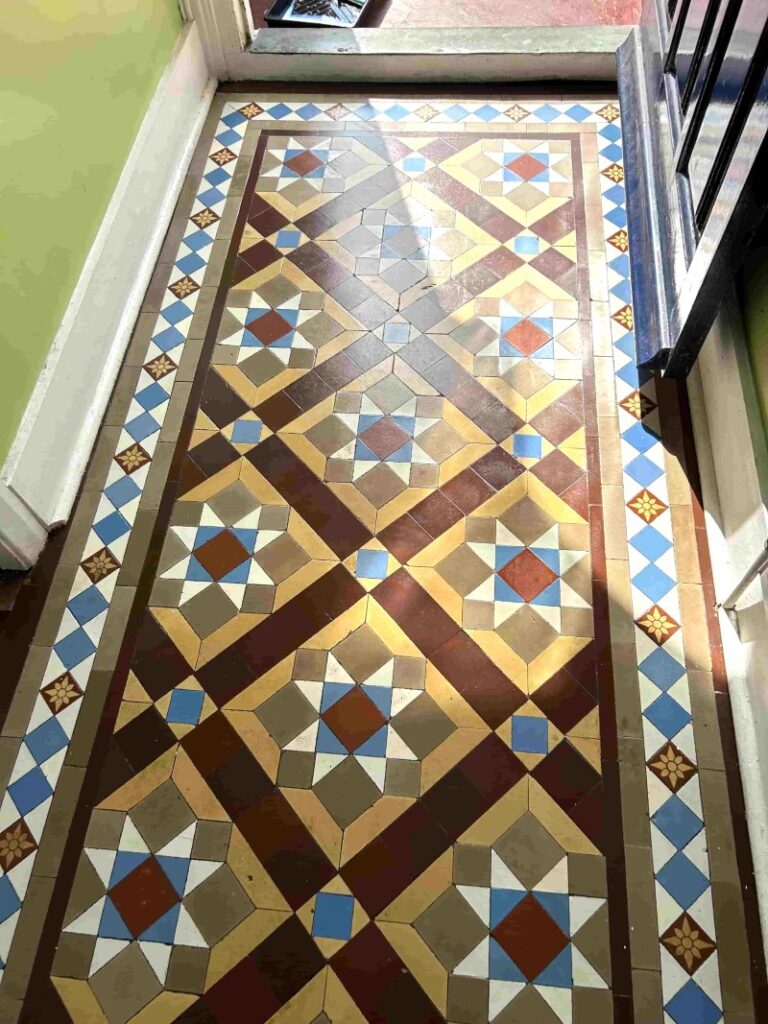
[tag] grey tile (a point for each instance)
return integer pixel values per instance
(59, 821)
(27, 689)
(24, 946)
(125, 985)
(114, 628)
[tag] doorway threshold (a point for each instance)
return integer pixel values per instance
(433, 54)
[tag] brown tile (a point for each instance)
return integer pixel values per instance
(497, 468)
(436, 514)
(427, 625)
(301, 489)
(481, 684)
(392, 860)
(404, 538)
(467, 490)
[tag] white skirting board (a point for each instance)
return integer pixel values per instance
(45, 466)
(733, 464)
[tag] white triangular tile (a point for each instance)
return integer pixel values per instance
(581, 908)
(158, 956)
(199, 870)
(500, 995)
(88, 922)
(475, 964)
(501, 876)
(181, 846)
(103, 862)
(131, 840)
(187, 932)
(584, 974)
(479, 898)
(104, 951)
(375, 768)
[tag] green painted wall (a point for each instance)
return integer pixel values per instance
(76, 77)
(755, 304)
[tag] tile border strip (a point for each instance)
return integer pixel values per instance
(686, 912)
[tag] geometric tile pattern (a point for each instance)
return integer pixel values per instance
(365, 719)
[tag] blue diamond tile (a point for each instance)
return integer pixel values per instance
(526, 446)
(365, 111)
(612, 153)
(333, 916)
(653, 582)
(185, 707)
(234, 118)
(228, 137)
(141, 427)
(87, 605)
(620, 265)
(396, 112)
(682, 880)
(211, 197)
(692, 1005)
(189, 264)
(578, 112)
(278, 111)
(667, 715)
(247, 432)
(487, 112)
(616, 194)
(111, 527)
(642, 470)
(30, 791)
(611, 132)
(46, 740)
(618, 217)
(74, 648)
(546, 112)
(640, 437)
(122, 491)
(675, 820)
(371, 565)
(529, 734)
(456, 112)
(662, 669)
(9, 899)
(308, 111)
(176, 312)
(216, 177)
(197, 240)
(650, 543)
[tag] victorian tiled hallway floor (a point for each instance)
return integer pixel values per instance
(379, 680)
